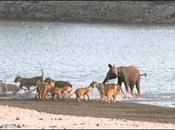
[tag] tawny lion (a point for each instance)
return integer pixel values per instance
(39, 88)
(61, 92)
(111, 91)
(102, 88)
(44, 89)
(82, 92)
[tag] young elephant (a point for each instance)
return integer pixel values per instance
(82, 92)
(111, 91)
(130, 75)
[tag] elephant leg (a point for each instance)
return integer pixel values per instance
(138, 86)
(126, 86)
(120, 83)
(131, 88)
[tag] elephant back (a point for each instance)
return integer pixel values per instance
(130, 73)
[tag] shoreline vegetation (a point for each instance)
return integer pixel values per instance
(111, 12)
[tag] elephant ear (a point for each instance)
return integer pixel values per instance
(110, 66)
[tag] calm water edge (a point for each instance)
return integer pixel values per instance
(80, 53)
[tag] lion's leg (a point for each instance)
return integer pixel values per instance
(88, 97)
(106, 98)
(84, 97)
(114, 97)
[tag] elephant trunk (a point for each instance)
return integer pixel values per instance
(110, 76)
(105, 80)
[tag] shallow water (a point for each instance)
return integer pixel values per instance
(79, 53)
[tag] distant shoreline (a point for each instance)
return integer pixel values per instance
(81, 22)
(111, 12)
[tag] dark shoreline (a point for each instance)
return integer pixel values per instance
(95, 108)
(111, 12)
(92, 23)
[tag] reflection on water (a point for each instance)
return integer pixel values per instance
(79, 53)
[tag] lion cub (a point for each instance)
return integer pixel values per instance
(111, 91)
(44, 89)
(61, 92)
(82, 92)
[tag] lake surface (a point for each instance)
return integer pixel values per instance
(80, 53)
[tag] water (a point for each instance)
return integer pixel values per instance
(80, 53)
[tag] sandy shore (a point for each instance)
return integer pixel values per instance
(11, 117)
(94, 114)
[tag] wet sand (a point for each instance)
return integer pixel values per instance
(95, 108)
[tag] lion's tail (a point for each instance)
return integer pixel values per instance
(42, 73)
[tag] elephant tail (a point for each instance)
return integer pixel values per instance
(144, 74)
